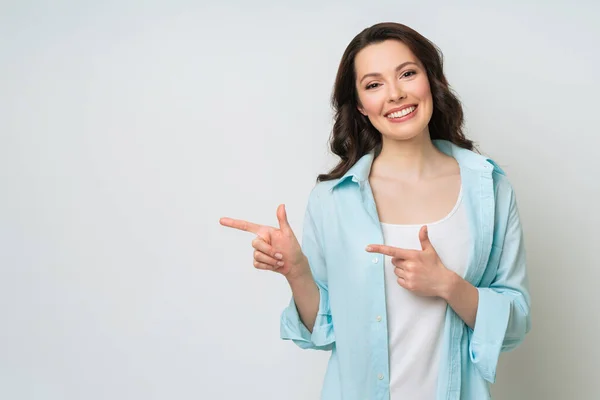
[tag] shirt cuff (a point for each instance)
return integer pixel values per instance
(292, 328)
(485, 345)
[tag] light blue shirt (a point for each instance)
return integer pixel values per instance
(341, 220)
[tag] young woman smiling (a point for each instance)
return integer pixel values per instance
(412, 269)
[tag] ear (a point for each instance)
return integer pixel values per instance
(361, 110)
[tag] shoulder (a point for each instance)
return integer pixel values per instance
(503, 188)
(320, 194)
(502, 184)
(505, 199)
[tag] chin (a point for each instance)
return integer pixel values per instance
(408, 129)
(404, 133)
(401, 137)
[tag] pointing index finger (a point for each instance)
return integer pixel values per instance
(240, 224)
(390, 251)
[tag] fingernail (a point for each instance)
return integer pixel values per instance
(278, 256)
(369, 248)
(280, 263)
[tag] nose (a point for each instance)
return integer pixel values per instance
(396, 93)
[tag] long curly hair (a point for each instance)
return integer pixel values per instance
(353, 135)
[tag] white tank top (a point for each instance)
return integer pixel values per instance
(415, 323)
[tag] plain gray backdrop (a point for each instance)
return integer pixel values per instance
(128, 128)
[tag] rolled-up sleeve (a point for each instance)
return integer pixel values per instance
(503, 317)
(291, 326)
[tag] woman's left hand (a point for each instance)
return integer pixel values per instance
(420, 271)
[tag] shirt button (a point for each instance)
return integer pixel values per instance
(380, 376)
(379, 318)
(375, 260)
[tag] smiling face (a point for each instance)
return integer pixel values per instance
(393, 90)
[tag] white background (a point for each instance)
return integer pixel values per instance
(128, 128)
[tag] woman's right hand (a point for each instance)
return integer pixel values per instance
(275, 249)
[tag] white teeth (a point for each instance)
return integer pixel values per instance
(402, 113)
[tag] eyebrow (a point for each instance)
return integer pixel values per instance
(398, 68)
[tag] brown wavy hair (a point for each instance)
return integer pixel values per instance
(353, 135)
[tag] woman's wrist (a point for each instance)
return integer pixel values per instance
(450, 283)
(300, 273)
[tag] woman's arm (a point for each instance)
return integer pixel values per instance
(306, 296)
(462, 296)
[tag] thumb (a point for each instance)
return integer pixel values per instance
(265, 234)
(424, 238)
(284, 225)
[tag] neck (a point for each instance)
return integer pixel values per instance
(412, 159)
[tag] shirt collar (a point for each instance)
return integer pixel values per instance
(360, 171)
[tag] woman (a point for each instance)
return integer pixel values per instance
(412, 266)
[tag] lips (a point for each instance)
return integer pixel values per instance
(393, 110)
(399, 117)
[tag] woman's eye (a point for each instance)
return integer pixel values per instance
(407, 74)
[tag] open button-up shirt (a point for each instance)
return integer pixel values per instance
(341, 219)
